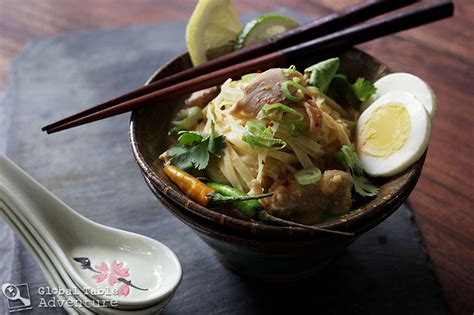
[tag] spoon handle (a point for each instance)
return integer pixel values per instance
(28, 242)
(48, 214)
(52, 269)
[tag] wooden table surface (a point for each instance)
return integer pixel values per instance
(441, 53)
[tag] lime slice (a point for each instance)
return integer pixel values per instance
(264, 27)
(211, 30)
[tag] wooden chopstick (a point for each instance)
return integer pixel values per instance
(324, 46)
(320, 27)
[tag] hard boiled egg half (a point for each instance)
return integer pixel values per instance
(407, 82)
(392, 133)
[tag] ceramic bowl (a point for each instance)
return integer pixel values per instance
(261, 250)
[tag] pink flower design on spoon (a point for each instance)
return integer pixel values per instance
(103, 268)
(115, 274)
(124, 290)
(117, 271)
(111, 273)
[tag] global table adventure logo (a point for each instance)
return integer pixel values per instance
(18, 296)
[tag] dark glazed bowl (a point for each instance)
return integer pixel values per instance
(261, 250)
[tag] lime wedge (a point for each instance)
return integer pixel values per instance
(264, 27)
(211, 30)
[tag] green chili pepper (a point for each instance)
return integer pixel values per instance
(200, 192)
(249, 208)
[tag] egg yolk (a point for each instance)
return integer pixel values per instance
(385, 131)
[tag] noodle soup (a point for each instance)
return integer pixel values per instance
(252, 246)
(279, 133)
(293, 134)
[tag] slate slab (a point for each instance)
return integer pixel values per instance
(91, 168)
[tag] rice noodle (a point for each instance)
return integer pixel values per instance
(251, 169)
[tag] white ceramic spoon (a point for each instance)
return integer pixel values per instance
(145, 270)
(48, 261)
(51, 278)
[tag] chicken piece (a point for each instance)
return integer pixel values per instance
(265, 88)
(308, 204)
(202, 98)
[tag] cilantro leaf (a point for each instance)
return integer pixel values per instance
(322, 73)
(174, 151)
(350, 161)
(217, 145)
(189, 137)
(193, 149)
(181, 157)
(363, 89)
(199, 155)
(342, 91)
(363, 187)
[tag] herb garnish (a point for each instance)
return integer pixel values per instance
(295, 127)
(342, 92)
(363, 89)
(349, 159)
(193, 149)
(258, 135)
(323, 76)
(350, 94)
(285, 87)
(268, 108)
(291, 69)
(322, 73)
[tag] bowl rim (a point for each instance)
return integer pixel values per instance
(357, 221)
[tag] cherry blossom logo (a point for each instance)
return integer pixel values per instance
(115, 274)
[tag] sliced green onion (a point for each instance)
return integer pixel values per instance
(308, 176)
(267, 108)
(285, 86)
(263, 142)
(247, 77)
(258, 129)
(297, 79)
(290, 70)
(188, 117)
(297, 130)
(260, 136)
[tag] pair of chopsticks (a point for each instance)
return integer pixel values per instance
(328, 35)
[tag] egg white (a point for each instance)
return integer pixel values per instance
(405, 82)
(416, 142)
